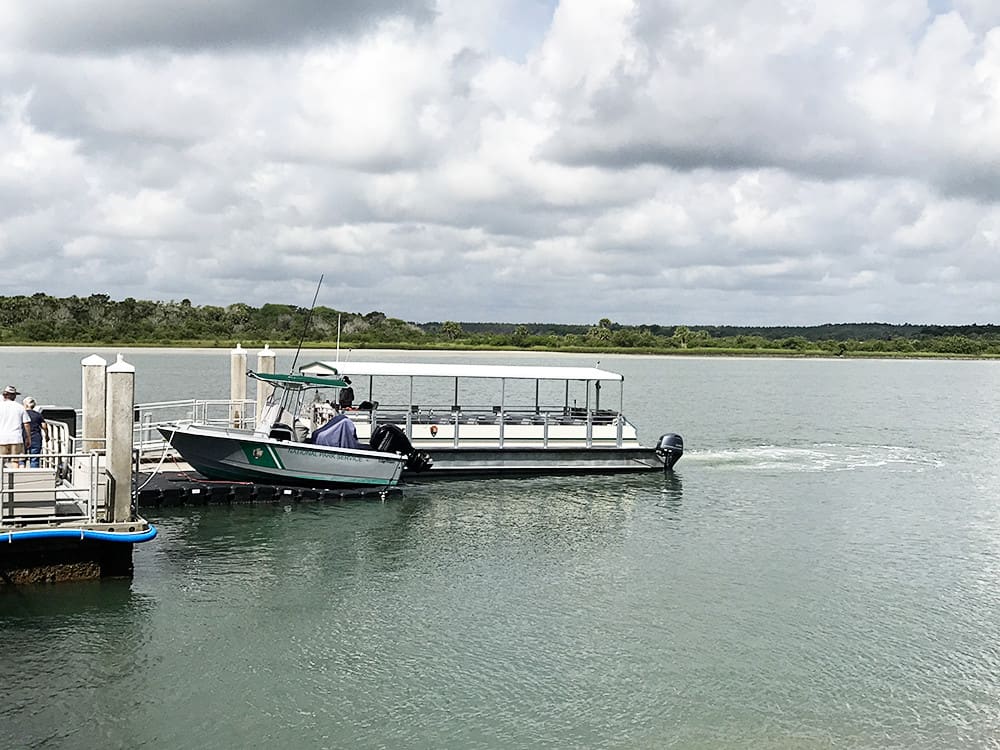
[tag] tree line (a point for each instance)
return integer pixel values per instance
(98, 319)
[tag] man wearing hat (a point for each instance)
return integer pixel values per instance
(346, 398)
(14, 435)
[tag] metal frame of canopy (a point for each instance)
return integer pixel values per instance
(459, 371)
(292, 389)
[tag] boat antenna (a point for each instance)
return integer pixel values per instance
(305, 328)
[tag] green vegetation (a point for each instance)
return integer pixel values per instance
(98, 319)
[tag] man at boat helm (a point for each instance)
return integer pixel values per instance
(346, 398)
(14, 424)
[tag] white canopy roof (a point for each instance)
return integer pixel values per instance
(523, 372)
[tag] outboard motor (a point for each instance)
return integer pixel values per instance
(389, 438)
(670, 448)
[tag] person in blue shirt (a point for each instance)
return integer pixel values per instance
(37, 429)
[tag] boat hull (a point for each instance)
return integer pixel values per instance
(481, 462)
(527, 449)
(237, 455)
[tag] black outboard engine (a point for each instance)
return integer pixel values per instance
(389, 438)
(670, 448)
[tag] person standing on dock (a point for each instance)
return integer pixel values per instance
(36, 428)
(14, 422)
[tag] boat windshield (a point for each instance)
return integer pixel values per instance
(288, 394)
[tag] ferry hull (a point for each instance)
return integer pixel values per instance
(527, 449)
(236, 455)
(482, 462)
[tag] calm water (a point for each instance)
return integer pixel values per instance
(823, 571)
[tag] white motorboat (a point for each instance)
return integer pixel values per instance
(278, 451)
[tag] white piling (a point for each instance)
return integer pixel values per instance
(265, 363)
(118, 428)
(237, 385)
(93, 402)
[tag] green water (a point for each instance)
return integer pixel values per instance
(823, 571)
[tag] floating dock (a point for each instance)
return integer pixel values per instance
(178, 488)
(70, 512)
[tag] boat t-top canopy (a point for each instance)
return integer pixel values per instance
(319, 380)
(496, 372)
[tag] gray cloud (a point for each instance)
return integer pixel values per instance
(114, 26)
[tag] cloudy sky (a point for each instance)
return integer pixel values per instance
(720, 161)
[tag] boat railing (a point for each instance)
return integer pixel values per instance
(457, 416)
(219, 412)
(148, 418)
(489, 414)
(63, 487)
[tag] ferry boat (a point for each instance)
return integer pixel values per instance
(281, 450)
(482, 420)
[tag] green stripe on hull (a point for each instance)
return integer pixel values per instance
(262, 455)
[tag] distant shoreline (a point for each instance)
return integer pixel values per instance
(97, 320)
(694, 352)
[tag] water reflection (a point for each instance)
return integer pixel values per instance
(46, 604)
(671, 492)
(550, 513)
(260, 545)
(71, 655)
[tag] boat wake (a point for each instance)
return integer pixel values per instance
(817, 458)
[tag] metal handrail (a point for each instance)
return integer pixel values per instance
(26, 493)
(148, 417)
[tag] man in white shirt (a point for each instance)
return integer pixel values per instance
(14, 424)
